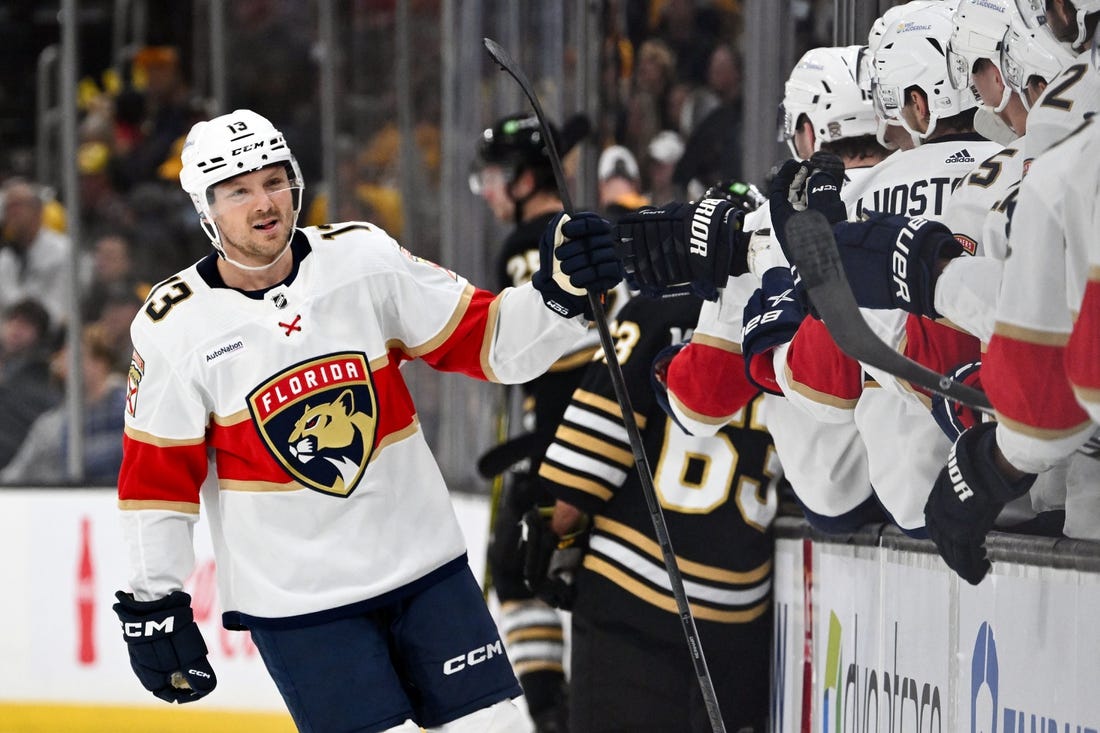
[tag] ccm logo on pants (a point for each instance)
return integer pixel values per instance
(473, 657)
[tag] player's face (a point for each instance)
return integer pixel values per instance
(987, 79)
(494, 189)
(255, 214)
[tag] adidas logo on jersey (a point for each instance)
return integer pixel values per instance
(963, 156)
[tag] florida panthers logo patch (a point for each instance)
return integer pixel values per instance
(319, 420)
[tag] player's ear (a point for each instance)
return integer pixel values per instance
(523, 185)
(920, 103)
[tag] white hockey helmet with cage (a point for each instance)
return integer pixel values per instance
(1031, 52)
(913, 53)
(227, 146)
(979, 31)
(824, 86)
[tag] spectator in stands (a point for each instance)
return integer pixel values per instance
(34, 260)
(167, 114)
(646, 108)
(42, 458)
(102, 207)
(662, 155)
(113, 271)
(119, 308)
(713, 150)
(620, 183)
(25, 388)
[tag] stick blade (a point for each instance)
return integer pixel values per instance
(813, 251)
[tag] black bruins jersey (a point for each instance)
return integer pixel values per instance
(718, 493)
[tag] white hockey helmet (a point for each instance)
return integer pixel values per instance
(913, 53)
(1085, 8)
(867, 69)
(227, 146)
(979, 30)
(1030, 52)
(824, 86)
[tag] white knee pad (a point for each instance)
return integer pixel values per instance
(503, 717)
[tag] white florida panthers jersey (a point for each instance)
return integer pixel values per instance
(326, 497)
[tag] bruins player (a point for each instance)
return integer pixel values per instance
(631, 669)
(514, 177)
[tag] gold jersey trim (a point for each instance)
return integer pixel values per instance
(605, 405)
(714, 341)
(1030, 335)
(1041, 433)
(696, 569)
(814, 395)
(604, 449)
(183, 507)
(444, 333)
(573, 481)
(667, 602)
(143, 437)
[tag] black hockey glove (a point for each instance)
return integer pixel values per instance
(893, 261)
(954, 418)
(550, 563)
(964, 503)
(771, 317)
(683, 248)
(166, 648)
(576, 254)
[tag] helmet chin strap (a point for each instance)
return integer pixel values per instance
(255, 268)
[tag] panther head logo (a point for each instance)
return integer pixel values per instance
(319, 420)
(333, 432)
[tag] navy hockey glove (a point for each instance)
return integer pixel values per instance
(166, 648)
(823, 187)
(682, 248)
(806, 184)
(785, 197)
(576, 254)
(968, 495)
(954, 417)
(658, 379)
(894, 261)
(771, 318)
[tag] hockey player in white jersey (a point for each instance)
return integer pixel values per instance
(912, 90)
(890, 135)
(335, 540)
(1074, 95)
(824, 109)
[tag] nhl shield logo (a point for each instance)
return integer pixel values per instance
(319, 419)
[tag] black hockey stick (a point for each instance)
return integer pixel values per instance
(645, 475)
(813, 251)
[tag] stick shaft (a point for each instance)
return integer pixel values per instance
(645, 475)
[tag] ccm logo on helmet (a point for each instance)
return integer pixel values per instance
(246, 148)
(149, 628)
(473, 657)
